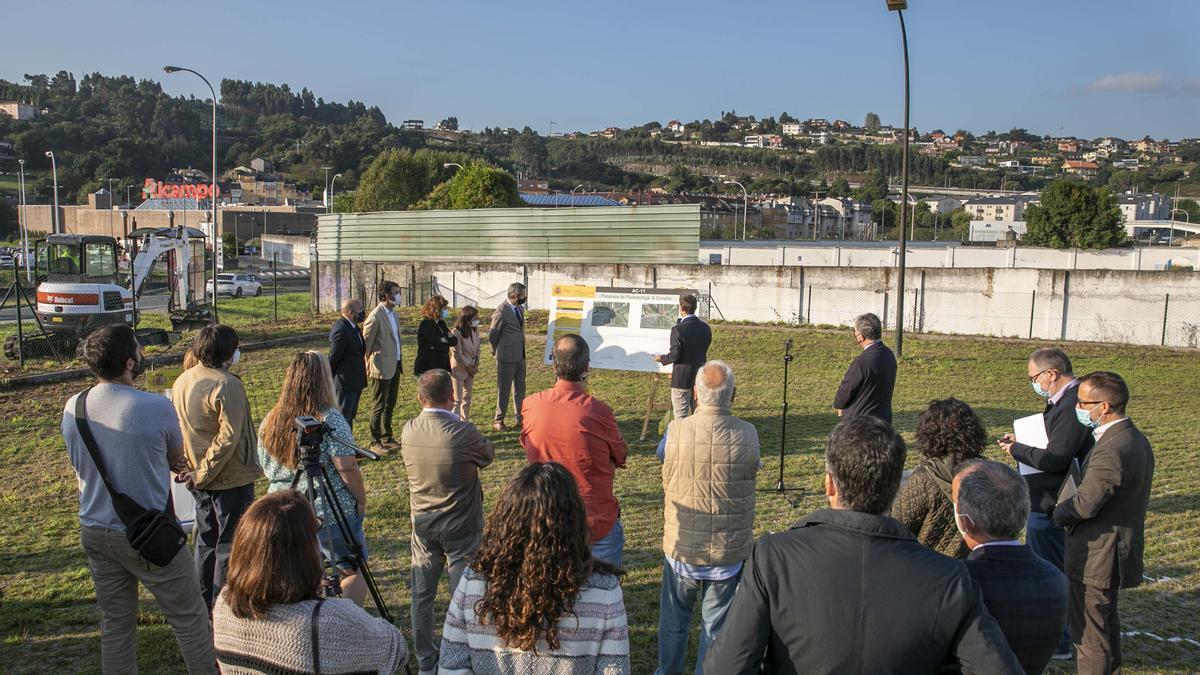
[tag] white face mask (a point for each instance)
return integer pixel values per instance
(237, 356)
(957, 516)
(475, 323)
(396, 299)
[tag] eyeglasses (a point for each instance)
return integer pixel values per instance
(1039, 374)
(1092, 403)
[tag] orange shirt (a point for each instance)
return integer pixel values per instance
(567, 425)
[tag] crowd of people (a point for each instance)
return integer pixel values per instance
(903, 572)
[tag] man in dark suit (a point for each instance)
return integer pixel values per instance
(867, 387)
(1024, 593)
(1051, 376)
(690, 339)
(1105, 521)
(507, 338)
(850, 590)
(347, 358)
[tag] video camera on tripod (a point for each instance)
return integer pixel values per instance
(311, 433)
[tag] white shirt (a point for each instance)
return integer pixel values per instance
(1063, 392)
(1099, 431)
(998, 542)
(519, 309)
(870, 344)
(441, 411)
(395, 329)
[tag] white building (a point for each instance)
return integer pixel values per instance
(793, 129)
(1144, 206)
(1003, 209)
(18, 110)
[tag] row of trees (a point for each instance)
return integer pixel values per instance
(399, 180)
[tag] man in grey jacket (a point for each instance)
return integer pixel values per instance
(850, 590)
(507, 338)
(442, 456)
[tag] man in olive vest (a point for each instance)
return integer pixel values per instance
(709, 463)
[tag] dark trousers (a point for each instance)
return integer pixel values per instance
(347, 401)
(1049, 542)
(217, 516)
(1095, 628)
(510, 379)
(383, 402)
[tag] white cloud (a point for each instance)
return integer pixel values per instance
(1129, 82)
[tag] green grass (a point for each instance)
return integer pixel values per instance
(48, 619)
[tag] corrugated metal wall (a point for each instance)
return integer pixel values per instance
(667, 234)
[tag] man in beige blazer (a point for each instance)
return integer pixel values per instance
(381, 333)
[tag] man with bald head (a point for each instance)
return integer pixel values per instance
(565, 424)
(710, 460)
(347, 358)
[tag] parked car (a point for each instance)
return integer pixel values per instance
(7, 261)
(236, 285)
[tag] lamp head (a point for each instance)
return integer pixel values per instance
(897, 5)
(49, 153)
(171, 69)
(337, 175)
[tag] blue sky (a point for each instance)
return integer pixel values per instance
(1087, 67)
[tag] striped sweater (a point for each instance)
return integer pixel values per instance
(594, 637)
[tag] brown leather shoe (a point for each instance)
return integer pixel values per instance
(498, 425)
(391, 444)
(379, 449)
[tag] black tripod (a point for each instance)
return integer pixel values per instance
(787, 360)
(311, 433)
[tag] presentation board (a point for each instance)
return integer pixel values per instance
(624, 327)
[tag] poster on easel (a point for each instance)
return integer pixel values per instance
(623, 327)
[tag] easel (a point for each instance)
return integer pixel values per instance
(649, 405)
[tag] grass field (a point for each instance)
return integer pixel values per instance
(49, 621)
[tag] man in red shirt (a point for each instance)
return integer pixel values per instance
(565, 424)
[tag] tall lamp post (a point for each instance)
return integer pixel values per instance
(24, 226)
(326, 195)
(898, 6)
(54, 172)
(745, 207)
(331, 184)
(212, 195)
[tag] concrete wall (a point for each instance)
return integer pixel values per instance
(885, 254)
(292, 250)
(247, 222)
(1090, 305)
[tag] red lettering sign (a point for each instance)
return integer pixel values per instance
(153, 189)
(67, 298)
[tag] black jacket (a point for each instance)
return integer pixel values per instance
(433, 346)
(867, 387)
(1067, 440)
(346, 356)
(849, 592)
(1028, 598)
(690, 339)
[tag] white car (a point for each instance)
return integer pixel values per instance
(7, 261)
(236, 285)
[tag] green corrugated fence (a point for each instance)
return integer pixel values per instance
(666, 234)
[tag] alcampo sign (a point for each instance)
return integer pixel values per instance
(154, 189)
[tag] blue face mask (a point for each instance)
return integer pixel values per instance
(1085, 418)
(1037, 389)
(445, 314)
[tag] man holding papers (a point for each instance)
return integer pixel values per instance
(1046, 460)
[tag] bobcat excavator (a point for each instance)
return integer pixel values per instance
(82, 287)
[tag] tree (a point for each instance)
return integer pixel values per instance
(475, 186)
(840, 188)
(874, 186)
(871, 122)
(883, 211)
(399, 178)
(448, 124)
(1074, 215)
(960, 223)
(229, 244)
(529, 152)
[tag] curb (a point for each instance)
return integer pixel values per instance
(166, 359)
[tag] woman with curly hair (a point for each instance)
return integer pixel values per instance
(434, 339)
(948, 433)
(534, 600)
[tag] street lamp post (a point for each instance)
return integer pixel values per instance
(212, 195)
(331, 184)
(1171, 232)
(127, 189)
(54, 175)
(326, 196)
(899, 6)
(447, 165)
(745, 207)
(576, 188)
(24, 226)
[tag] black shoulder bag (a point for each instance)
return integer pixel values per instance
(156, 535)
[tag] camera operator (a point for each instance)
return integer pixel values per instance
(137, 438)
(308, 391)
(270, 618)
